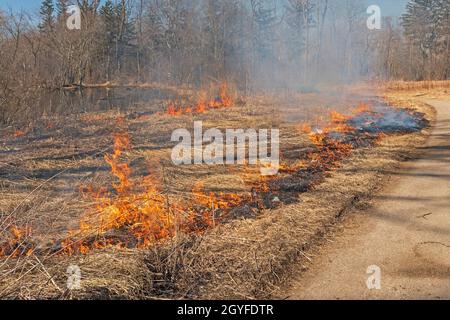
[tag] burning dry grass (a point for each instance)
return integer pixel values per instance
(282, 236)
(42, 175)
(132, 244)
(222, 100)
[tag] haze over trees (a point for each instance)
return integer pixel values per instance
(427, 31)
(255, 44)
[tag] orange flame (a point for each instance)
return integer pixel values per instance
(145, 215)
(223, 100)
(362, 108)
(17, 243)
(330, 151)
(19, 133)
(141, 214)
(120, 170)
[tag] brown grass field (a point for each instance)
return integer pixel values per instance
(217, 231)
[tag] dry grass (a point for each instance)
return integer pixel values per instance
(272, 243)
(245, 258)
(417, 85)
(43, 171)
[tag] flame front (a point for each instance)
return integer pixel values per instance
(136, 213)
(223, 100)
(139, 214)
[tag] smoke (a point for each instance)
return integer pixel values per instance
(303, 44)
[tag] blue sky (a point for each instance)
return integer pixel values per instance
(20, 4)
(388, 7)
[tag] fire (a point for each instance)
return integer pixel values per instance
(16, 133)
(173, 110)
(140, 211)
(251, 176)
(336, 124)
(330, 152)
(212, 201)
(330, 148)
(226, 100)
(19, 133)
(201, 105)
(337, 117)
(17, 243)
(142, 214)
(305, 128)
(120, 170)
(211, 208)
(362, 108)
(223, 100)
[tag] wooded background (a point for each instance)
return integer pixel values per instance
(256, 44)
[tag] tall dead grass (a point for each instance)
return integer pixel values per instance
(416, 85)
(246, 258)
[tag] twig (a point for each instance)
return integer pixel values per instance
(424, 216)
(48, 274)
